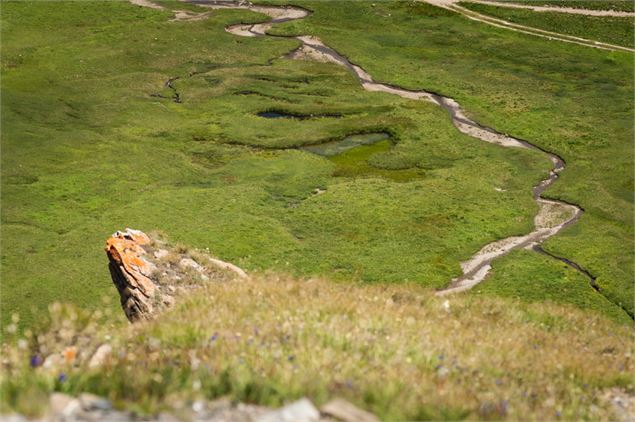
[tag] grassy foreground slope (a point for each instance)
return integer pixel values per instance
(573, 100)
(614, 30)
(392, 349)
(93, 142)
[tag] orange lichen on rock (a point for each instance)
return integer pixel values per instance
(131, 272)
(150, 274)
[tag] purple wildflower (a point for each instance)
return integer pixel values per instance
(36, 360)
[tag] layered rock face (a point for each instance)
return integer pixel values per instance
(131, 272)
(149, 274)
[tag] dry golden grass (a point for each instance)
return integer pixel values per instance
(395, 350)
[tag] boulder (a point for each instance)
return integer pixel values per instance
(131, 271)
(298, 411)
(149, 273)
(344, 411)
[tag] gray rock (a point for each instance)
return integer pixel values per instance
(62, 407)
(92, 402)
(166, 417)
(100, 355)
(109, 416)
(161, 253)
(344, 411)
(189, 263)
(298, 411)
(12, 418)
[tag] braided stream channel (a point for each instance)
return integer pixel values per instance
(553, 215)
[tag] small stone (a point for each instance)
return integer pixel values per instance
(100, 355)
(168, 300)
(189, 262)
(62, 405)
(161, 253)
(298, 411)
(13, 418)
(342, 410)
(222, 403)
(166, 417)
(446, 305)
(92, 402)
(198, 406)
(52, 361)
(443, 372)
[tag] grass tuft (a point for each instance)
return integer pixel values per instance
(397, 351)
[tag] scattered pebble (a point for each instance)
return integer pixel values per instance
(100, 355)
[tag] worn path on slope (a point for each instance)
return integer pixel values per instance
(559, 9)
(501, 23)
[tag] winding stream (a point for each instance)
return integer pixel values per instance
(552, 216)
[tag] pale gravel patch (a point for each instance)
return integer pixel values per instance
(241, 30)
(187, 16)
(468, 283)
(306, 52)
(553, 213)
(147, 3)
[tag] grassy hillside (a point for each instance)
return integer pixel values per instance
(573, 100)
(614, 30)
(395, 350)
(93, 142)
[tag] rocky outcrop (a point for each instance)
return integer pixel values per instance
(149, 273)
(131, 272)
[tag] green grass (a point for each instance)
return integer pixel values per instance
(613, 30)
(536, 278)
(87, 150)
(395, 350)
(573, 100)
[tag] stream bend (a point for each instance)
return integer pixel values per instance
(553, 215)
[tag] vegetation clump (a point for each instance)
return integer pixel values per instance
(396, 351)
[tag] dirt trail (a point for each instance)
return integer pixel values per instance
(501, 23)
(553, 215)
(570, 10)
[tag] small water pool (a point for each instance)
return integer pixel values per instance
(272, 114)
(329, 149)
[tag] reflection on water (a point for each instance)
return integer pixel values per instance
(330, 149)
